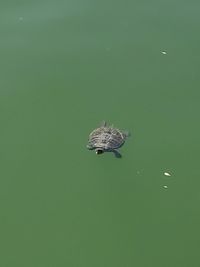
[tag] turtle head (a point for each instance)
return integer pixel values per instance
(99, 151)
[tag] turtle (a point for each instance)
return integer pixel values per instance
(107, 139)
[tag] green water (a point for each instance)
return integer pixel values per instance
(66, 66)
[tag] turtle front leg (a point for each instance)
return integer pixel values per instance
(90, 147)
(117, 154)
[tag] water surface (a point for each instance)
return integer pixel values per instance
(65, 67)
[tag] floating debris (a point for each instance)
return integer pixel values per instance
(165, 186)
(167, 174)
(164, 52)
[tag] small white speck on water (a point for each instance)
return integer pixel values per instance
(165, 186)
(167, 174)
(164, 52)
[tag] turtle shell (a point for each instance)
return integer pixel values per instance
(107, 138)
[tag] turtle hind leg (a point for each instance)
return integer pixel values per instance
(126, 134)
(117, 154)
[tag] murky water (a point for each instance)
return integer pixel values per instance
(65, 67)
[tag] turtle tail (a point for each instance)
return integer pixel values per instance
(103, 123)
